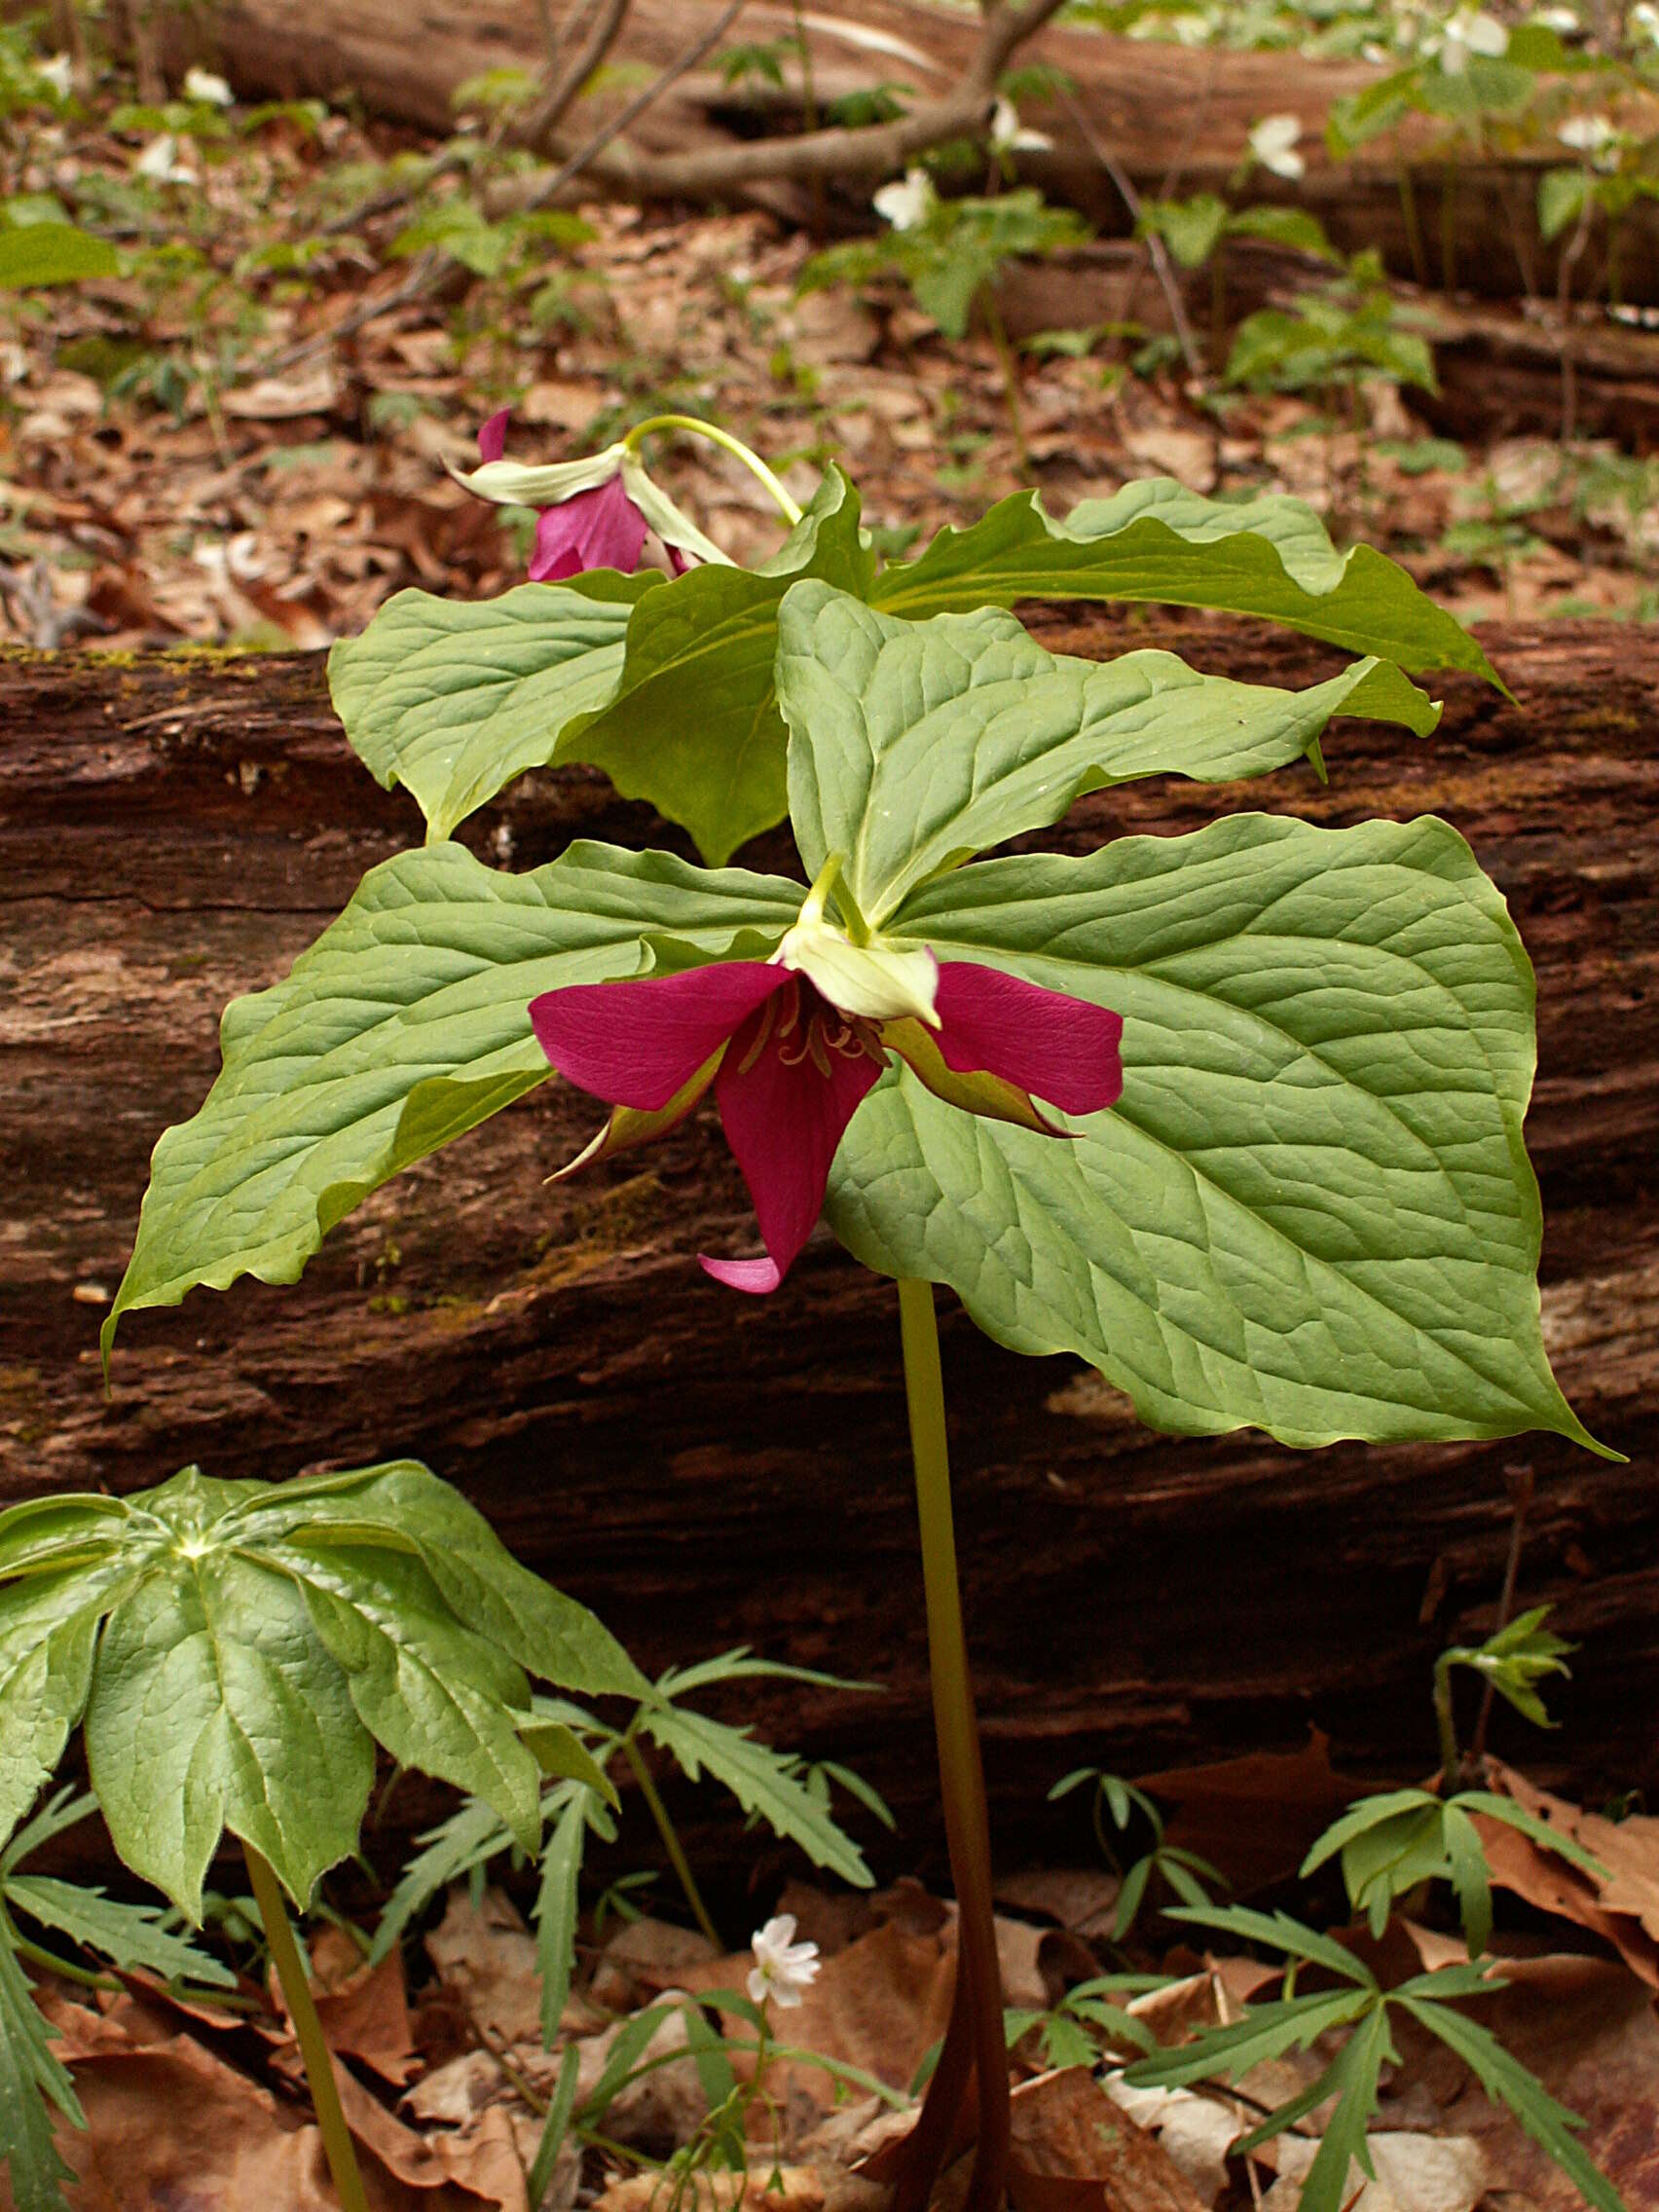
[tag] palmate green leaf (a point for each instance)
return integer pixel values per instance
(404, 1026)
(1156, 541)
(1266, 2032)
(130, 1935)
(215, 1706)
(258, 1639)
(1353, 2074)
(453, 700)
(693, 727)
(1507, 2083)
(556, 1906)
(1311, 1210)
(47, 1633)
(403, 1503)
(915, 745)
(31, 2078)
(761, 1780)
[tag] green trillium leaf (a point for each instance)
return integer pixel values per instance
(1312, 1211)
(453, 701)
(693, 727)
(1156, 541)
(914, 745)
(404, 1026)
(240, 1647)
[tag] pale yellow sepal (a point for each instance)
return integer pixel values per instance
(975, 1091)
(628, 1125)
(873, 981)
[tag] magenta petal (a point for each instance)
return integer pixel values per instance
(635, 1044)
(492, 435)
(601, 528)
(784, 1116)
(1061, 1048)
(757, 1276)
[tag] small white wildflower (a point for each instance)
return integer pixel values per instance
(1008, 135)
(907, 203)
(1472, 31)
(1274, 144)
(1564, 21)
(1594, 135)
(211, 90)
(59, 74)
(1643, 23)
(159, 162)
(783, 1968)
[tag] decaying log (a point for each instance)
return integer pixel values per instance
(1500, 367)
(1176, 120)
(706, 1469)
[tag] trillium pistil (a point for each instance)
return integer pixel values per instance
(597, 511)
(791, 1045)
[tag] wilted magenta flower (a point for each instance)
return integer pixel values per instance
(789, 1063)
(594, 512)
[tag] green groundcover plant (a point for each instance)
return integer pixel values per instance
(1236, 1116)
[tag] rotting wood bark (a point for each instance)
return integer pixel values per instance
(1128, 91)
(707, 1471)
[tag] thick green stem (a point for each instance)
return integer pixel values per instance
(313, 2044)
(962, 1780)
(696, 427)
(676, 1858)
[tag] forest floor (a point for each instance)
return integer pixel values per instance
(196, 462)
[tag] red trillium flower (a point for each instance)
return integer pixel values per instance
(595, 512)
(789, 1064)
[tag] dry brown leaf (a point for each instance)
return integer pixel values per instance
(1588, 2030)
(1622, 1908)
(1083, 1898)
(364, 2010)
(645, 1957)
(1074, 2150)
(1415, 2173)
(1255, 1816)
(312, 390)
(172, 2128)
(485, 1957)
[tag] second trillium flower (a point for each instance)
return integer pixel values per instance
(791, 1045)
(595, 512)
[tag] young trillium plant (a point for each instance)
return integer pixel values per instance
(1235, 1116)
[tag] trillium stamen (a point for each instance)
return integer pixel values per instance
(790, 1047)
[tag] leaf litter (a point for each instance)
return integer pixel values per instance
(446, 2088)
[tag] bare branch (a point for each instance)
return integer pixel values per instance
(862, 156)
(589, 153)
(548, 111)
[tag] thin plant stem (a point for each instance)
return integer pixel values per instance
(750, 460)
(1446, 1725)
(1519, 1481)
(961, 1780)
(1009, 375)
(313, 2044)
(676, 1858)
